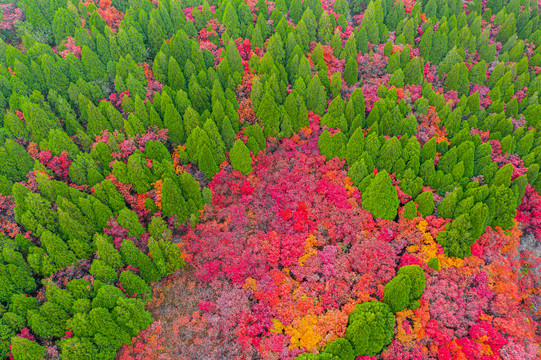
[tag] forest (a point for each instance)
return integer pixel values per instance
(277, 180)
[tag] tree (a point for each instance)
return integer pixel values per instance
(316, 96)
(381, 198)
(107, 252)
(398, 292)
(78, 348)
(63, 25)
(228, 134)
(457, 79)
(340, 348)
(351, 72)
(508, 28)
(96, 121)
(478, 72)
(38, 121)
(355, 146)
(425, 202)
(269, 114)
(334, 118)
(172, 201)
(425, 45)
(57, 249)
(324, 30)
(389, 153)
(128, 219)
(240, 157)
(25, 349)
(131, 315)
(173, 122)
(137, 172)
(103, 272)
(15, 162)
(206, 162)
(94, 68)
(413, 73)
(231, 21)
(134, 285)
(370, 328)
(418, 280)
(107, 335)
(395, 15)
(175, 76)
(107, 193)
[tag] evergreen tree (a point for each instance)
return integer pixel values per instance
(351, 72)
(457, 79)
(22, 348)
(240, 157)
(128, 219)
(78, 348)
(355, 146)
(269, 114)
(172, 201)
(94, 68)
(231, 21)
(173, 122)
(316, 97)
(413, 73)
(107, 252)
(425, 202)
(137, 172)
(206, 162)
(57, 250)
(324, 30)
(381, 198)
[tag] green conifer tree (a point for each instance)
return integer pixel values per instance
(381, 198)
(240, 157)
(425, 202)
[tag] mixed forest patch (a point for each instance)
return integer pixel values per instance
(231, 179)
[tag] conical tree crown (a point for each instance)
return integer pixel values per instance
(381, 198)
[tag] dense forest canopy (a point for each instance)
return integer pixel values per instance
(231, 179)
